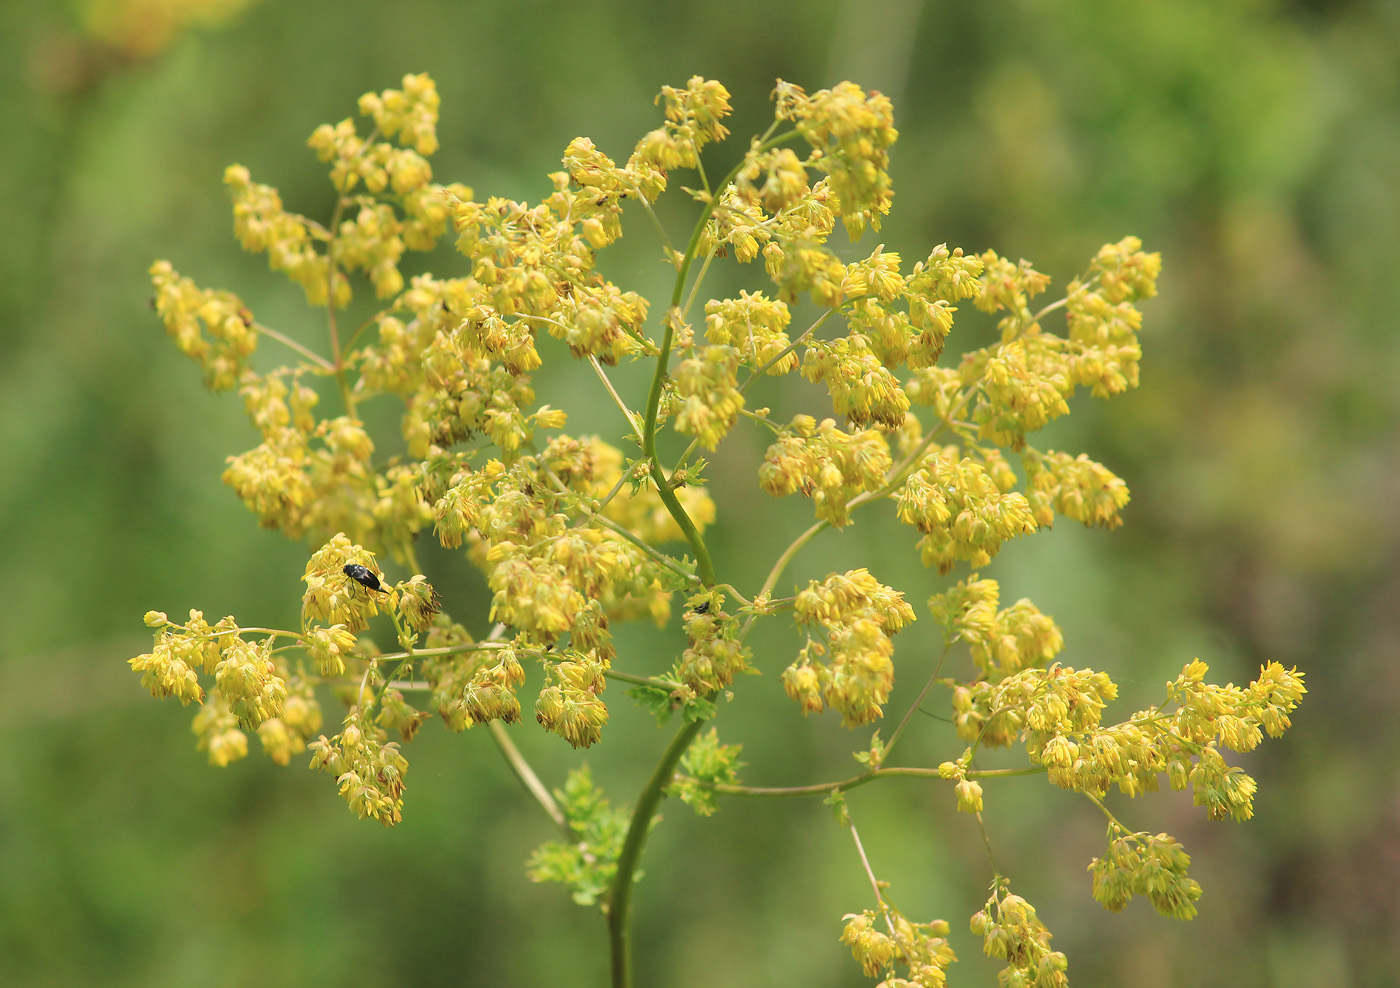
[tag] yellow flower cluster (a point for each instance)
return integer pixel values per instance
(251, 689)
(826, 464)
(550, 577)
(851, 133)
(212, 327)
(373, 236)
(473, 687)
(715, 653)
(708, 387)
(569, 705)
(922, 948)
(331, 596)
(1001, 642)
(1046, 702)
(410, 114)
(172, 667)
(962, 511)
(858, 615)
(861, 387)
(693, 116)
(1073, 486)
(306, 477)
(1009, 286)
(1058, 710)
(1145, 864)
(369, 770)
(218, 733)
(285, 736)
(755, 325)
(1011, 931)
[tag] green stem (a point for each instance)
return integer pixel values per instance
(627, 677)
(527, 776)
(870, 874)
(627, 413)
(909, 714)
(670, 320)
(855, 781)
(620, 900)
(337, 355)
(309, 354)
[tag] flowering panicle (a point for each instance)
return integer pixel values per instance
(1011, 931)
(218, 733)
(1145, 864)
(851, 132)
(961, 510)
(1002, 642)
(921, 948)
(862, 388)
(213, 327)
(755, 326)
(247, 680)
(1073, 486)
(567, 529)
(715, 654)
(858, 615)
(368, 769)
(475, 687)
(287, 735)
(172, 667)
(708, 387)
(569, 705)
(693, 116)
(827, 465)
(332, 597)
(1011, 287)
(1020, 390)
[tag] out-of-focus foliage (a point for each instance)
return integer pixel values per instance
(1255, 144)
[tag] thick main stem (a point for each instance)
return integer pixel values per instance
(620, 899)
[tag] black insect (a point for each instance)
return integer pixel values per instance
(363, 576)
(703, 608)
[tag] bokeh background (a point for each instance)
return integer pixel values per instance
(1255, 143)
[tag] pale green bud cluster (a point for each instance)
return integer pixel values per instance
(588, 862)
(706, 763)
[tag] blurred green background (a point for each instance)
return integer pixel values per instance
(1256, 144)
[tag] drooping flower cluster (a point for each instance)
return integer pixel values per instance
(1011, 931)
(1001, 642)
(368, 768)
(716, 653)
(1145, 864)
(921, 948)
(857, 615)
